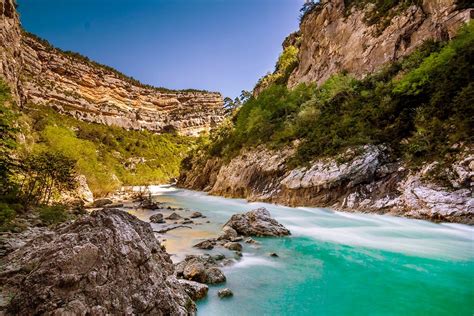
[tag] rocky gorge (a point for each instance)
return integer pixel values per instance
(357, 40)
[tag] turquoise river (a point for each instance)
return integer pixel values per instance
(334, 263)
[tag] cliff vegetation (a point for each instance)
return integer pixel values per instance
(43, 153)
(421, 105)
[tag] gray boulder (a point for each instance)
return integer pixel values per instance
(196, 215)
(107, 263)
(202, 269)
(195, 290)
(206, 244)
(173, 216)
(257, 222)
(227, 233)
(225, 293)
(157, 218)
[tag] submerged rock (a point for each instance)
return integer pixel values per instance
(206, 244)
(107, 263)
(225, 293)
(257, 222)
(196, 215)
(195, 290)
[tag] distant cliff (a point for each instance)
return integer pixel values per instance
(74, 85)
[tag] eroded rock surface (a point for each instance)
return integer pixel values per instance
(202, 269)
(365, 179)
(70, 84)
(257, 222)
(333, 39)
(105, 263)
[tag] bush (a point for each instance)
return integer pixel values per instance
(7, 216)
(52, 215)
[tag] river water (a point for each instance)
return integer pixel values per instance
(334, 263)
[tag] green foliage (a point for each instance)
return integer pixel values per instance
(421, 106)
(109, 156)
(286, 63)
(52, 215)
(7, 216)
(44, 175)
(8, 142)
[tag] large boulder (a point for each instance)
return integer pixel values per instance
(257, 222)
(107, 263)
(195, 290)
(202, 269)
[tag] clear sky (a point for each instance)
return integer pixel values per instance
(218, 45)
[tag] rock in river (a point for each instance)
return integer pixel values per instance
(195, 290)
(202, 269)
(206, 244)
(173, 216)
(227, 233)
(196, 215)
(107, 263)
(257, 222)
(225, 293)
(157, 218)
(235, 246)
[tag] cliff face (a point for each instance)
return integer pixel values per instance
(334, 37)
(75, 86)
(367, 179)
(10, 45)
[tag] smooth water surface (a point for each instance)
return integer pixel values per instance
(334, 263)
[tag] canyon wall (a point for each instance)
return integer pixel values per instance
(71, 84)
(335, 38)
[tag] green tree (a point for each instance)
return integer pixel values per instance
(45, 174)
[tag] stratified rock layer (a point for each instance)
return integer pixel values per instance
(333, 39)
(73, 85)
(108, 263)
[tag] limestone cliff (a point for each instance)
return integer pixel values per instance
(336, 37)
(74, 85)
(367, 179)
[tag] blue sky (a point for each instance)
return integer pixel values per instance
(218, 45)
